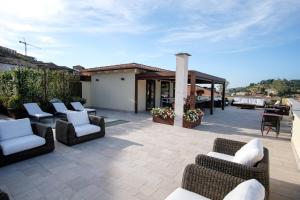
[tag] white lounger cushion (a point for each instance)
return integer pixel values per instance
(34, 110)
(182, 194)
(248, 190)
(79, 106)
(78, 118)
(86, 129)
(60, 107)
(15, 128)
(221, 156)
(15, 145)
(250, 153)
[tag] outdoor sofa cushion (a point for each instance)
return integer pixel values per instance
(248, 190)
(221, 156)
(78, 118)
(183, 194)
(250, 153)
(18, 144)
(86, 129)
(10, 129)
(34, 110)
(60, 107)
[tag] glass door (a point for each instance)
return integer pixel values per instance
(150, 94)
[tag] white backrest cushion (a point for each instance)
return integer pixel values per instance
(250, 153)
(15, 128)
(248, 190)
(60, 107)
(33, 108)
(78, 118)
(77, 106)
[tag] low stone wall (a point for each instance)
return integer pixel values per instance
(296, 129)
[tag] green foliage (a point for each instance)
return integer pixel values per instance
(15, 102)
(164, 113)
(23, 85)
(281, 87)
(79, 99)
(193, 115)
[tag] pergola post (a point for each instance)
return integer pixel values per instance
(193, 90)
(212, 97)
(181, 86)
(136, 95)
(223, 96)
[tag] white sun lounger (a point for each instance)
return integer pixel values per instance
(79, 107)
(35, 111)
(60, 108)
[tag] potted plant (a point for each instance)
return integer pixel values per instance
(192, 118)
(163, 115)
(15, 107)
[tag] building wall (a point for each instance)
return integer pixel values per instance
(6, 67)
(296, 130)
(111, 92)
(86, 92)
(141, 95)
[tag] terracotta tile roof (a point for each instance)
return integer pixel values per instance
(124, 66)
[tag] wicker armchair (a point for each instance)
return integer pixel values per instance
(259, 172)
(207, 182)
(3, 195)
(39, 130)
(65, 132)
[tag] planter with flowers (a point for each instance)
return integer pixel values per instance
(163, 115)
(191, 117)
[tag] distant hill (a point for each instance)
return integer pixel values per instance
(270, 87)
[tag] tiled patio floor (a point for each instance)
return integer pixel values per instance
(144, 160)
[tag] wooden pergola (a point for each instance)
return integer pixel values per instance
(194, 77)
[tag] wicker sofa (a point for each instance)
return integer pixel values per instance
(66, 134)
(203, 183)
(259, 172)
(38, 130)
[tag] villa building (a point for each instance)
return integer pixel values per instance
(137, 87)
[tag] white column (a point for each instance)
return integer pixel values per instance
(181, 86)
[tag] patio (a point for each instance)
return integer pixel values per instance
(144, 160)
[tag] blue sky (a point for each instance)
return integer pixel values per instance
(242, 41)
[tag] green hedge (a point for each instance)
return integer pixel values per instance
(23, 85)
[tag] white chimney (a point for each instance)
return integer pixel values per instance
(181, 82)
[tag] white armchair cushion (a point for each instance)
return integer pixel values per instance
(19, 144)
(220, 156)
(250, 153)
(182, 194)
(15, 128)
(60, 107)
(78, 118)
(86, 129)
(248, 190)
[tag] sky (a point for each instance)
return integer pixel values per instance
(242, 41)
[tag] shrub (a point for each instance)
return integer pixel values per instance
(15, 102)
(79, 99)
(193, 115)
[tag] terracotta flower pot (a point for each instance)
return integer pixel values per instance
(163, 121)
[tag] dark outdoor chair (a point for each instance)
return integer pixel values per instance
(66, 134)
(270, 121)
(210, 184)
(39, 130)
(259, 172)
